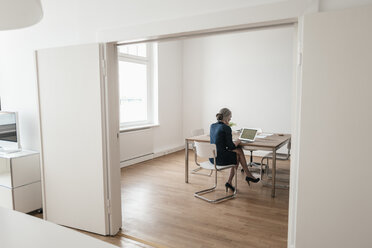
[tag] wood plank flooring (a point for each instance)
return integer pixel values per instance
(159, 207)
(160, 210)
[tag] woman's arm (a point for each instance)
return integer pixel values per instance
(237, 142)
(229, 141)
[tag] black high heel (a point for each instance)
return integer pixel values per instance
(250, 179)
(227, 185)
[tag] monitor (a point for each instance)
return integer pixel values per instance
(9, 134)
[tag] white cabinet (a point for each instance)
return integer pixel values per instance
(20, 184)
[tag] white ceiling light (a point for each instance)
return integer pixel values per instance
(19, 13)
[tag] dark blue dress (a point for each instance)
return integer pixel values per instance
(221, 136)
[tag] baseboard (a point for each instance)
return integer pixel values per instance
(150, 156)
(168, 151)
(172, 150)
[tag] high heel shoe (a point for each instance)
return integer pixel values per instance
(229, 186)
(251, 179)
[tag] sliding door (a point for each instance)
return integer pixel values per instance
(79, 135)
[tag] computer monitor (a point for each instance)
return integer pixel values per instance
(9, 134)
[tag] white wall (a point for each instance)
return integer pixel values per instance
(328, 5)
(168, 135)
(77, 22)
(85, 19)
(251, 73)
(74, 22)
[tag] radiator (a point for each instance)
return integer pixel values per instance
(136, 144)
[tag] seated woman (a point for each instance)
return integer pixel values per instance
(228, 152)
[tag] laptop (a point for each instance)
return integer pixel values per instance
(248, 134)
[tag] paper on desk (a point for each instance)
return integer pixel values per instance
(263, 135)
(266, 134)
(260, 136)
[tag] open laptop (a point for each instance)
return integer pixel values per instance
(248, 134)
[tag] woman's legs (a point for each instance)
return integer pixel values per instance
(232, 173)
(241, 159)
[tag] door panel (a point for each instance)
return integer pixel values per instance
(336, 119)
(69, 84)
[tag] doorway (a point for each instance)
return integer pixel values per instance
(200, 113)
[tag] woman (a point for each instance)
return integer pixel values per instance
(228, 152)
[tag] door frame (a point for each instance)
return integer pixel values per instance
(311, 6)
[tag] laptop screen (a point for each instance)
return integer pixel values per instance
(249, 134)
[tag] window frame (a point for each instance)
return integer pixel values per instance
(148, 61)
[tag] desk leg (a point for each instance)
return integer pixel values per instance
(273, 174)
(186, 161)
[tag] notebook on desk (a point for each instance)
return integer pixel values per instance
(248, 134)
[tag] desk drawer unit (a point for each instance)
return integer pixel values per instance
(20, 184)
(27, 198)
(25, 170)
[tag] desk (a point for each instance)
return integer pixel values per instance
(22, 230)
(270, 143)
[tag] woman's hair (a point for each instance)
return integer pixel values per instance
(224, 114)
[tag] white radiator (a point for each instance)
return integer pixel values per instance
(136, 144)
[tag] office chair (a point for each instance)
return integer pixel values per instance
(197, 132)
(279, 156)
(206, 150)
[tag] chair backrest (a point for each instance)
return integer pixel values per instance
(197, 132)
(205, 150)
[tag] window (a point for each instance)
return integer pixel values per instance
(136, 83)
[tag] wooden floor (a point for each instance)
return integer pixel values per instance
(159, 207)
(160, 210)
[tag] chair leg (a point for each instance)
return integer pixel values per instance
(200, 193)
(251, 163)
(267, 182)
(236, 179)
